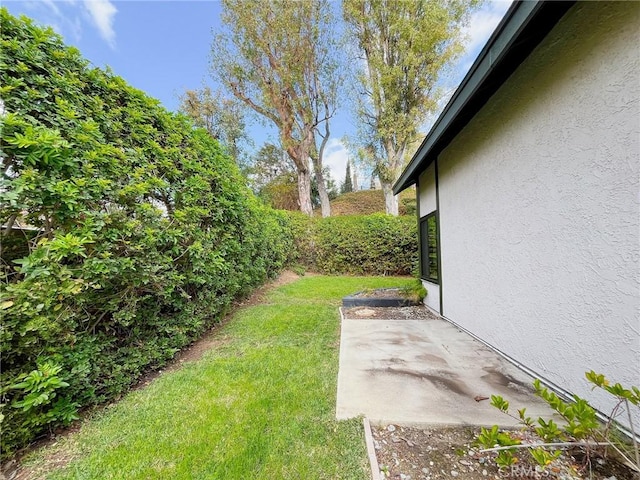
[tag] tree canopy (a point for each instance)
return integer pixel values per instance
(275, 57)
(404, 46)
(223, 118)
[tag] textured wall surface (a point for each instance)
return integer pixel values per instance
(427, 189)
(427, 196)
(539, 206)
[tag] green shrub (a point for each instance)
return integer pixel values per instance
(376, 244)
(415, 292)
(408, 206)
(303, 234)
(580, 428)
(145, 232)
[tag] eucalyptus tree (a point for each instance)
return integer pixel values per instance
(276, 58)
(222, 117)
(403, 46)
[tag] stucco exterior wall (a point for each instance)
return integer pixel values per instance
(539, 206)
(427, 204)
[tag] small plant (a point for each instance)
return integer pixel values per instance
(582, 429)
(298, 270)
(494, 438)
(415, 291)
(36, 397)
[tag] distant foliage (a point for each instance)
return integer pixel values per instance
(408, 205)
(281, 193)
(223, 118)
(278, 58)
(144, 234)
(367, 202)
(347, 185)
(376, 244)
(269, 164)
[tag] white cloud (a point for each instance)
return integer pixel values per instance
(75, 26)
(102, 14)
(52, 6)
(335, 158)
(482, 24)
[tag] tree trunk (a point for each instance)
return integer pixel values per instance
(325, 203)
(304, 191)
(317, 157)
(389, 174)
(390, 200)
(300, 155)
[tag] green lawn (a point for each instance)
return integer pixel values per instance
(260, 406)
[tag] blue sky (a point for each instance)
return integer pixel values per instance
(162, 48)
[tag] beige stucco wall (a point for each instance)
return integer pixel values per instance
(426, 205)
(539, 206)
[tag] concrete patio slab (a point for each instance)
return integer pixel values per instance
(416, 372)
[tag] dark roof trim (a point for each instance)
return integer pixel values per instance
(523, 27)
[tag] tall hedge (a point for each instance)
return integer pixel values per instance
(145, 232)
(375, 244)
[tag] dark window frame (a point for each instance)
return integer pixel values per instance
(429, 249)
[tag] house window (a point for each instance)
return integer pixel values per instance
(429, 248)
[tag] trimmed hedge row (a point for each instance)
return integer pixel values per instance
(376, 244)
(145, 233)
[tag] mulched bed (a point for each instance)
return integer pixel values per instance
(437, 453)
(389, 313)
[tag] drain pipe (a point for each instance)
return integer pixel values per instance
(562, 393)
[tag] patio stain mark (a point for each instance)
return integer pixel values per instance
(417, 338)
(396, 360)
(441, 381)
(499, 379)
(408, 338)
(429, 358)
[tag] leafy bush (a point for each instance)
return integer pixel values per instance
(581, 429)
(359, 245)
(303, 234)
(145, 232)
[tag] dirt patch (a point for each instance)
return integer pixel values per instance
(59, 456)
(438, 453)
(418, 312)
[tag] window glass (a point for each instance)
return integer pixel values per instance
(429, 244)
